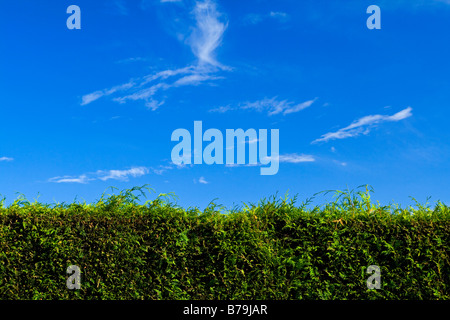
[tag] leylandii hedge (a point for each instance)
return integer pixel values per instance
(272, 250)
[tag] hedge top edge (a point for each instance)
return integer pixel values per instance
(347, 203)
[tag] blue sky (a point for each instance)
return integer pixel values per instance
(86, 109)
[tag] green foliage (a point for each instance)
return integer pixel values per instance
(270, 250)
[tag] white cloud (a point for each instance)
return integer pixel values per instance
(299, 107)
(363, 125)
(272, 106)
(205, 38)
(208, 34)
(280, 16)
(295, 158)
(91, 97)
(221, 109)
(194, 79)
(6, 159)
(68, 179)
(405, 113)
(251, 141)
(202, 180)
(161, 169)
(144, 94)
(255, 18)
(283, 158)
(166, 74)
(154, 104)
(122, 174)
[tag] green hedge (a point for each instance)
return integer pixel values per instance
(272, 250)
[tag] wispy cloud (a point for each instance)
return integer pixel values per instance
(205, 38)
(6, 159)
(363, 125)
(132, 59)
(70, 179)
(293, 158)
(255, 18)
(122, 174)
(251, 141)
(222, 109)
(207, 35)
(201, 180)
(281, 16)
(91, 97)
(343, 164)
(161, 169)
(298, 107)
(104, 175)
(272, 106)
(195, 79)
(282, 158)
(296, 158)
(154, 104)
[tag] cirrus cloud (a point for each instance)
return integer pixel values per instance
(363, 125)
(206, 36)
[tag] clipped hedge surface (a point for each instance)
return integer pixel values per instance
(273, 250)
